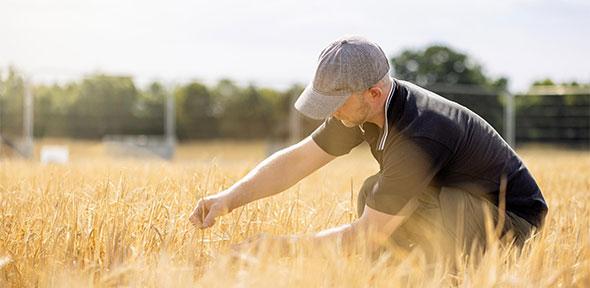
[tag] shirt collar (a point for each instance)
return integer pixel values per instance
(381, 143)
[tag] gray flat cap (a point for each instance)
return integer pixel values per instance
(349, 64)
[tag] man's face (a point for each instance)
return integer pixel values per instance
(354, 112)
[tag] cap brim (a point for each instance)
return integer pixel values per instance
(316, 105)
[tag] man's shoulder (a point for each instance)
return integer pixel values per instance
(427, 100)
(429, 115)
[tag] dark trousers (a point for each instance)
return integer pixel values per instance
(448, 219)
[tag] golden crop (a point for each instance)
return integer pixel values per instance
(105, 222)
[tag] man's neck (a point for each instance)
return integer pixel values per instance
(379, 116)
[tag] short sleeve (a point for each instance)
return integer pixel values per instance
(335, 138)
(409, 167)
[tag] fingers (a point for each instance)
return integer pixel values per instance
(198, 215)
(210, 218)
(204, 216)
(207, 210)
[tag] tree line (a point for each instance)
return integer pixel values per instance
(99, 104)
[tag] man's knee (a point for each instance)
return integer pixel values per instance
(469, 218)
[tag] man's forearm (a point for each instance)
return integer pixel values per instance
(262, 181)
(341, 237)
(370, 231)
(277, 173)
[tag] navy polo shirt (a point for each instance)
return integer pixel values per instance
(428, 140)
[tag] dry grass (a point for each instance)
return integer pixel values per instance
(104, 222)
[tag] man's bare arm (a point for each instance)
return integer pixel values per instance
(370, 231)
(278, 172)
(273, 175)
(374, 228)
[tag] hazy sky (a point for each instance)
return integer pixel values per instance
(276, 43)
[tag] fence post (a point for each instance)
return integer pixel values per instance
(509, 120)
(28, 120)
(294, 122)
(170, 125)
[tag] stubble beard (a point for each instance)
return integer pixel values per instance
(364, 111)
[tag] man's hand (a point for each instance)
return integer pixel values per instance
(210, 208)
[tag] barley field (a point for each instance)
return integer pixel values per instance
(101, 221)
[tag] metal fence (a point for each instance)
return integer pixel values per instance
(17, 129)
(552, 115)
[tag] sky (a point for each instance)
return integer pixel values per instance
(276, 43)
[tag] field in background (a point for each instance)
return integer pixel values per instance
(104, 222)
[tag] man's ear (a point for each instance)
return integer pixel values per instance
(375, 93)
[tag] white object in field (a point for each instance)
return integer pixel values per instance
(55, 154)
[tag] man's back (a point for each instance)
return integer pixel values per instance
(476, 156)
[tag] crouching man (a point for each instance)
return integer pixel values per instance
(443, 169)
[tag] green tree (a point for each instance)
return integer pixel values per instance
(194, 111)
(544, 82)
(247, 114)
(12, 89)
(52, 105)
(438, 64)
(149, 109)
(104, 106)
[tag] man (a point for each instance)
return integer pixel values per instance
(443, 169)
